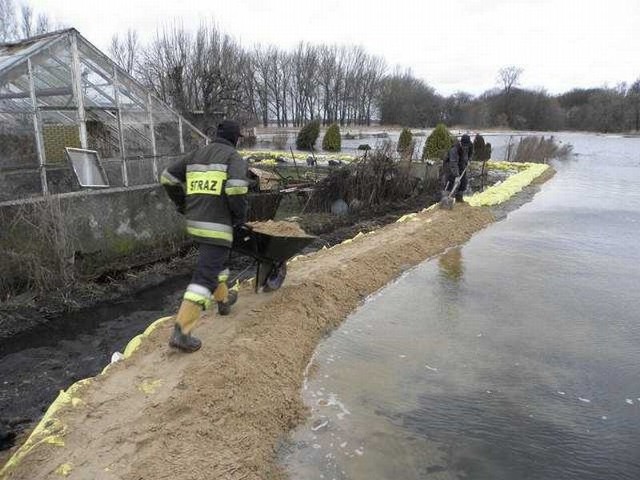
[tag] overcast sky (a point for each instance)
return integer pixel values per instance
(454, 45)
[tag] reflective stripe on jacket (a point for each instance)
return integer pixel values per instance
(210, 185)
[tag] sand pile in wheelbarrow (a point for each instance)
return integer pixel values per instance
(279, 229)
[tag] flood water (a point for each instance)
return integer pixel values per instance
(516, 356)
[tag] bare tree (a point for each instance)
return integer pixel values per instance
(125, 51)
(262, 73)
(26, 21)
(8, 24)
(509, 77)
(43, 24)
(30, 24)
(634, 99)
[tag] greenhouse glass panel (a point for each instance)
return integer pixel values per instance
(52, 76)
(165, 125)
(87, 167)
(18, 140)
(102, 132)
(140, 171)
(132, 96)
(136, 133)
(97, 78)
(15, 95)
(192, 140)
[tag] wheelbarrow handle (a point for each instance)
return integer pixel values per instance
(242, 230)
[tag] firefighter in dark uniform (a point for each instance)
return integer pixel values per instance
(455, 163)
(209, 186)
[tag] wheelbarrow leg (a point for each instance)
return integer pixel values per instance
(264, 269)
(276, 277)
(270, 275)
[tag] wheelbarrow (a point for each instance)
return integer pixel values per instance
(271, 254)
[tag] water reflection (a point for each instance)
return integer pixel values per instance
(451, 266)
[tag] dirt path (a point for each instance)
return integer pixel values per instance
(220, 413)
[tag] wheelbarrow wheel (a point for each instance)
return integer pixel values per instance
(276, 277)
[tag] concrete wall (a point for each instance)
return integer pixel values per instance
(94, 230)
(86, 230)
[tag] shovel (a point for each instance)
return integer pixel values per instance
(449, 198)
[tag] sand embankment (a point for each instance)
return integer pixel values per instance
(221, 412)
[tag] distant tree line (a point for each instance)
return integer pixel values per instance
(211, 73)
(208, 71)
(603, 109)
(208, 74)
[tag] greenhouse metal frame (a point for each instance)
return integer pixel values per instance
(57, 90)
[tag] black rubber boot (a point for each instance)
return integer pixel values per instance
(224, 308)
(184, 342)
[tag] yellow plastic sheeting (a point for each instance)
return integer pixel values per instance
(406, 217)
(64, 470)
(149, 387)
(136, 341)
(503, 191)
(269, 156)
(50, 430)
(493, 165)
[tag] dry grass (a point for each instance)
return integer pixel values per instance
(373, 180)
(537, 150)
(44, 258)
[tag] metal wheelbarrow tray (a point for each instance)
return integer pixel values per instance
(271, 254)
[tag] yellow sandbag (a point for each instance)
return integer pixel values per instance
(50, 430)
(132, 346)
(155, 325)
(406, 217)
(503, 191)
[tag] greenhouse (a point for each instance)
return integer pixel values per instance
(63, 102)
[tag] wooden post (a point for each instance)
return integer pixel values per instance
(180, 133)
(123, 151)
(38, 132)
(76, 76)
(153, 137)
